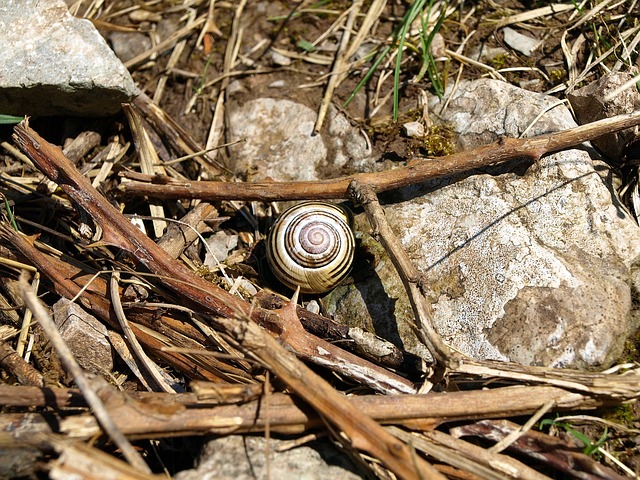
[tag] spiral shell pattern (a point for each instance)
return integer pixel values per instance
(311, 245)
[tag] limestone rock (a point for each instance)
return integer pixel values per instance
(85, 335)
(529, 263)
(590, 104)
(237, 457)
(55, 64)
(276, 141)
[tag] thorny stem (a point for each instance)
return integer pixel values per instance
(363, 432)
(72, 366)
(412, 279)
(417, 170)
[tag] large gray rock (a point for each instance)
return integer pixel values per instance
(55, 64)
(533, 265)
(238, 457)
(275, 140)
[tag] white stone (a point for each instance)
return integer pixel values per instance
(275, 140)
(413, 129)
(528, 264)
(237, 457)
(87, 338)
(56, 64)
(279, 59)
(519, 42)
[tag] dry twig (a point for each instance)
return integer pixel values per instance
(416, 171)
(70, 363)
(232, 315)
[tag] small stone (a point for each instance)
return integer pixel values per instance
(486, 53)
(275, 140)
(278, 84)
(139, 16)
(128, 45)
(56, 64)
(413, 130)
(218, 247)
(85, 335)
(135, 293)
(519, 42)
(313, 307)
(590, 105)
(364, 50)
(236, 86)
(438, 47)
(279, 59)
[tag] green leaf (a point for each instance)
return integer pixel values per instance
(9, 119)
(306, 46)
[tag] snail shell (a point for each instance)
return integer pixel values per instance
(311, 245)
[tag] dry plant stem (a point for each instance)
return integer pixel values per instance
(68, 282)
(134, 346)
(78, 460)
(145, 414)
(167, 43)
(14, 364)
(560, 454)
(339, 65)
(179, 236)
(149, 163)
(612, 386)
(233, 314)
(71, 365)
(412, 279)
(464, 455)
(178, 137)
(416, 171)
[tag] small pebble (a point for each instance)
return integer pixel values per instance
(278, 84)
(279, 60)
(413, 129)
(313, 307)
(139, 16)
(438, 47)
(235, 86)
(519, 42)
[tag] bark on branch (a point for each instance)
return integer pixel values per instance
(416, 171)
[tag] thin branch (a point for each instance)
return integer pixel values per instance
(244, 409)
(417, 170)
(134, 346)
(232, 315)
(412, 279)
(72, 366)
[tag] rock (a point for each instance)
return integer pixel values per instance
(85, 335)
(413, 129)
(238, 457)
(278, 59)
(128, 45)
(275, 140)
(485, 53)
(589, 105)
(438, 47)
(56, 64)
(218, 247)
(278, 84)
(519, 42)
(529, 263)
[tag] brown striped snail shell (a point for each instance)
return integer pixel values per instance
(311, 245)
